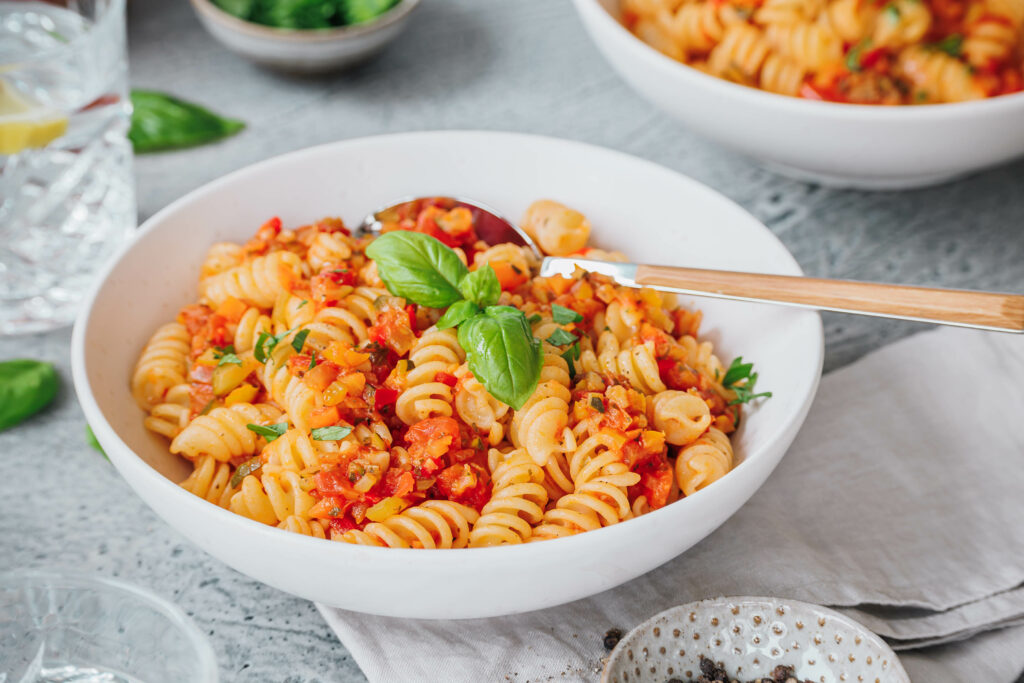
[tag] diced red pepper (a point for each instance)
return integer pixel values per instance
(384, 397)
(397, 483)
(446, 378)
(340, 525)
(464, 483)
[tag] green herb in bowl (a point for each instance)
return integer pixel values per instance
(306, 14)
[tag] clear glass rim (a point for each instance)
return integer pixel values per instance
(202, 650)
(113, 11)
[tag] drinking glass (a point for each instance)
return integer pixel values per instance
(66, 195)
(68, 628)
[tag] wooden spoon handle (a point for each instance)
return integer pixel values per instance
(1004, 312)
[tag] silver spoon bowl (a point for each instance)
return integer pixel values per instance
(490, 225)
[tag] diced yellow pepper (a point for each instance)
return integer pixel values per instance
(335, 352)
(386, 508)
(244, 393)
(228, 376)
(335, 394)
(354, 383)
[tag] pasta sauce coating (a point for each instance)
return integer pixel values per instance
(309, 398)
(852, 51)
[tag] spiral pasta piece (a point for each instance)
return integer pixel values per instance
(249, 327)
(306, 527)
(599, 473)
(293, 451)
(521, 259)
(272, 498)
(171, 416)
(703, 462)
(517, 503)
(682, 416)
(290, 312)
(328, 248)
(782, 12)
(210, 480)
(991, 39)
(220, 257)
(902, 23)
(745, 56)
(162, 365)
(478, 408)
(288, 391)
(557, 229)
(424, 397)
(258, 282)
(541, 426)
(636, 364)
(939, 77)
(222, 433)
(809, 45)
(851, 20)
(431, 524)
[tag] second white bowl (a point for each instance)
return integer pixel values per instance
(843, 145)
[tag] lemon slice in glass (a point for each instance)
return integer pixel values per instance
(26, 125)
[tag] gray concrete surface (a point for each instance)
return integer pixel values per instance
(482, 64)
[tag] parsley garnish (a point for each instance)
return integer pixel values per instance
(299, 340)
(597, 404)
(560, 338)
(572, 354)
(334, 433)
(564, 316)
(741, 379)
(267, 342)
(951, 45)
(229, 359)
(268, 432)
(251, 465)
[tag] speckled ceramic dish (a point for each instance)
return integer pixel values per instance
(304, 51)
(750, 637)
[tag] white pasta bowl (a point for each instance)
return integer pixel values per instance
(843, 145)
(649, 212)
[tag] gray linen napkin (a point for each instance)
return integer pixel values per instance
(900, 503)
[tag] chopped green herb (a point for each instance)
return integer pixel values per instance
(266, 343)
(251, 465)
(335, 433)
(300, 340)
(304, 302)
(560, 338)
(564, 316)
(268, 432)
(208, 407)
(219, 351)
(952, 45)
(312, 361)
(741, 379)
(229, 359)
(570, 355)
(892, 13)
(534, 319)
(597, 404)
(334, 511)
(853, 57)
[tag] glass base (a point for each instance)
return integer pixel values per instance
(50, 311)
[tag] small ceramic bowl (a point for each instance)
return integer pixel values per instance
(304, 50)
(749, 637)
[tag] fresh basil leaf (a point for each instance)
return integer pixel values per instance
(242, 9)
(229, 359)
(738, 370)
(952, 45)
(253, 464)
(564, 316)
(335, 433)
(162, 122)
(26, 387)
(741, 380)
(418, 268)
(91, 439)
(268, 432)
(571, 355)
(597, 404)
(481, 286)
(561, 337)
(298, 14)
(502, 353)
(458, 313)
(358, 11)
(299, 340)
(534, 319)
(312, 361)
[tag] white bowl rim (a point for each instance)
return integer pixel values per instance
(796, 105)
(108, 437)
(768, 602)
(305, 35)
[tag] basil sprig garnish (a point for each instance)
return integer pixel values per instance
(162, 122)
(418, 268)
(741, 379)
(26, 387)
(269, 432)
(502, 353)
(335, 433)
(500, 347)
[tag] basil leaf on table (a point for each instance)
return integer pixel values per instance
(91, 439)
(502, 353)
(162, 122)
(457, 313)
(481, 286)
(418, 267)
(26, 387)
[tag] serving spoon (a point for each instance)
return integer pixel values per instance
(962, 308)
